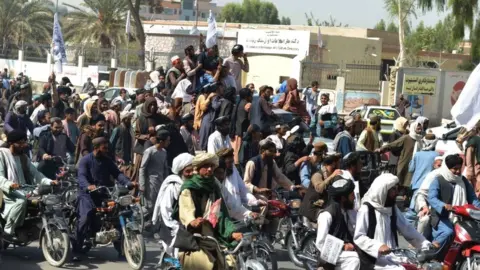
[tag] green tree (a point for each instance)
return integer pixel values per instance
(251, 11)
(331, 22)
(392, 27)
(285, 21)
(402, 10)
(97, 22)
(463, 12)
(381, 25)
(22, 21)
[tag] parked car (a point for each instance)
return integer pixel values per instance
(447, 134)
(114, 92)
(388, 115)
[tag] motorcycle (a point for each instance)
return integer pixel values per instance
(119, 226)
(464, 249)
(44, 221)
(290, 227)
(244, 253)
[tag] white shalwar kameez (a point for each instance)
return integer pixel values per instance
(347, 259)
(376, 196)
(238, 191)
(216, 142)
(15, 201)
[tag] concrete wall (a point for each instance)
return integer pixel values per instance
(448, 87)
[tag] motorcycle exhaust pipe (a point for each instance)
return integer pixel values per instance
(303, 256)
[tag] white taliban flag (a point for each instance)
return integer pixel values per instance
(127, 24)
(58, 46)
(468, 103)
(211, 39)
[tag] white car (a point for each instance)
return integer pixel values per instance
(447, 134)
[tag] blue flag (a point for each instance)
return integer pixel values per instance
(58, 46)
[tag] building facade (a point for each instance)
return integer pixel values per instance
(185, 10)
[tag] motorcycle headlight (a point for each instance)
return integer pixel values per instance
(51, 200)
(295, 204)
(125, 200)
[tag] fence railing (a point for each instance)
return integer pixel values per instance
(324, 74)
(362, 76)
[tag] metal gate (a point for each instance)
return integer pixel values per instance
(324, 74)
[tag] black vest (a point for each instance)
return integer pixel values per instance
(257, 176)
(307, 208)
(339, 227)
(446, 195)
(367, 262)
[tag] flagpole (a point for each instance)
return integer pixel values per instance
(126, 55)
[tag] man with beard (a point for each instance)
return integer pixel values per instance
(189, 134)
(233, 182)
(167, 196)
(122, 139)
(191, 66)
(262, 173)
(94, 169)
(370, 138)
(219, 139)
(59, 101)
(402, 105)
(192, 210)
(262, 113)
(344, 143)
(312, 165)
(352, 167)
(449, 189)
(16, 169)
(85, 146)
(378, 221)
(53, 143)
(338, 220)
(316, 196)
(235, 208)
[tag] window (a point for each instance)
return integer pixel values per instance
(203, 15)
(174, 11)
(180, 11)
(187, 18)
(194, 13)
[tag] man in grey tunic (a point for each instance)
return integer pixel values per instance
(16, 169)
(154, 168)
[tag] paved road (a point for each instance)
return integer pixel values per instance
(31, 258)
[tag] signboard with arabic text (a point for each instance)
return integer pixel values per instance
(274, 41)
(419, 85)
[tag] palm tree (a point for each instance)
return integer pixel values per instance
(25, 21)
(97, 22)
(463, 11)
(402, 10)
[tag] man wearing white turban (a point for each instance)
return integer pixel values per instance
(378, 220)
(169, 191)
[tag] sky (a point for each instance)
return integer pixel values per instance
(355, 13)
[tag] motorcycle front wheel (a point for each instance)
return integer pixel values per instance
(267, 258)
(292, 250)
(134, 250)
(58, 253)
(309, 249)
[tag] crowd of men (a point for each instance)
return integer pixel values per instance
(194, 135)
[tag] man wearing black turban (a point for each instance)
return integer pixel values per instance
(17, 169)
(338, 220)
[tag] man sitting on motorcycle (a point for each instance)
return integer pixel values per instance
(16, 169)
(338, 220)
(235, 207)
(316, 196)
(201, 209)
(169, 191)
(448, 189)
(94, 169)
(378, 220)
